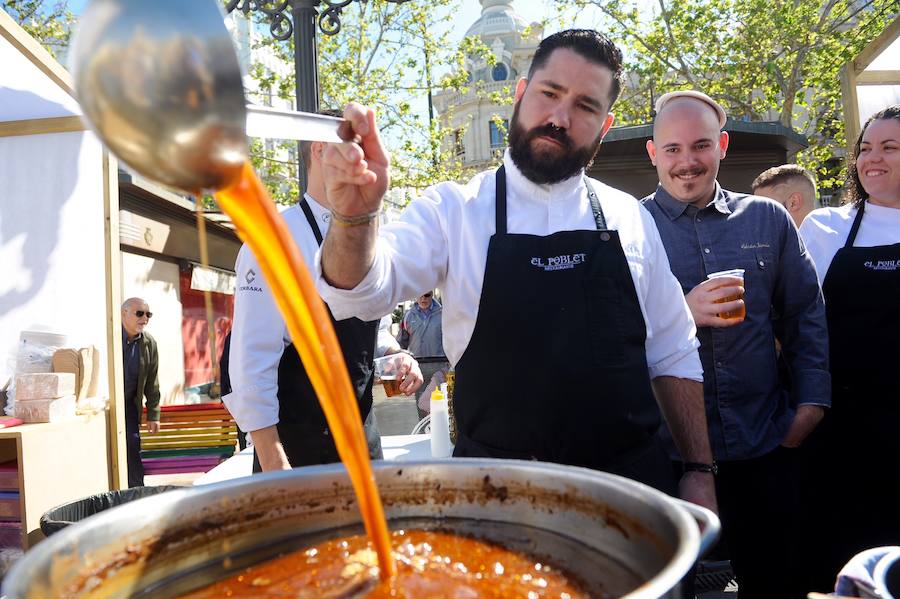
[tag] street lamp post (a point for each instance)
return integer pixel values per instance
(299, 18)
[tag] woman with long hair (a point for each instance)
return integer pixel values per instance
(856, 249)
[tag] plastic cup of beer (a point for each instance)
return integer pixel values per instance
(387, 371)
(739, 313)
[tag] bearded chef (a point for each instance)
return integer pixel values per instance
(569, 334)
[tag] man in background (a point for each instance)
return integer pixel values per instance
(422, 333)
(271, 395)
(755, 424)
(790, 185)
(140, 364)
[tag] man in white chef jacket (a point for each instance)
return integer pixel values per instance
(272, 398)
(569, 334)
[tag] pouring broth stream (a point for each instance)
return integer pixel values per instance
(259, 225)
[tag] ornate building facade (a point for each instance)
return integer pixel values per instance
(479, 122)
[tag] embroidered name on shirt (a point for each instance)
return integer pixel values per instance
(563, 262)
(754, 246)
(250, 288)
(882, 264)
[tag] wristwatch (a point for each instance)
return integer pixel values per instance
(712, 468)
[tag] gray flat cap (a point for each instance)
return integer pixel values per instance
(689, 93)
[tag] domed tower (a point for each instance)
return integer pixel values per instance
(477, 138)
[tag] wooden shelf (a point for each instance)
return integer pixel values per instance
(58, 462)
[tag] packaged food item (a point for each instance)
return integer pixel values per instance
(44, 385)
(46, 410)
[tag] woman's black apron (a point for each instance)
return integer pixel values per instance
(556, 367)
(857, 448)
(302, 427)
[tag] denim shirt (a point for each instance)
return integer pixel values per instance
(749, 407)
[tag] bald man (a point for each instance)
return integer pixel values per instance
(790, 185)
(140, 364)
(754, 424)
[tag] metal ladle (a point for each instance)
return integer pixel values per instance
(159, 83)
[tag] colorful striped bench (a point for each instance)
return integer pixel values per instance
(191, 438)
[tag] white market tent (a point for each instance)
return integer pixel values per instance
(871, 81)
(59, 237)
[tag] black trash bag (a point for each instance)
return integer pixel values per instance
(63, 515)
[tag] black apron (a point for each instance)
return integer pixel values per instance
(856, 449)
(302, 427)
(556, 367)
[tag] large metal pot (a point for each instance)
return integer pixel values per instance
(885, 581)
(606, 529)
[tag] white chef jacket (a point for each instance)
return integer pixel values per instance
(259, 333)
(441, 240)
(824, 231)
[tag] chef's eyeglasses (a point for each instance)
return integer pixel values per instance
(142, 313)
(426, 294)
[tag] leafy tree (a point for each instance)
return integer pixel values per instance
(387, 56)
(762, 59)
(49, 23)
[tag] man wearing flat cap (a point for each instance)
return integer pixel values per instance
(755, 424)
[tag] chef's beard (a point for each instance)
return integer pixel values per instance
(550, 165)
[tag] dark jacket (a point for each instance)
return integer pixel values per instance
(148, 379)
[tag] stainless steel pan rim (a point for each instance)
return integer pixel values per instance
(172, 530)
